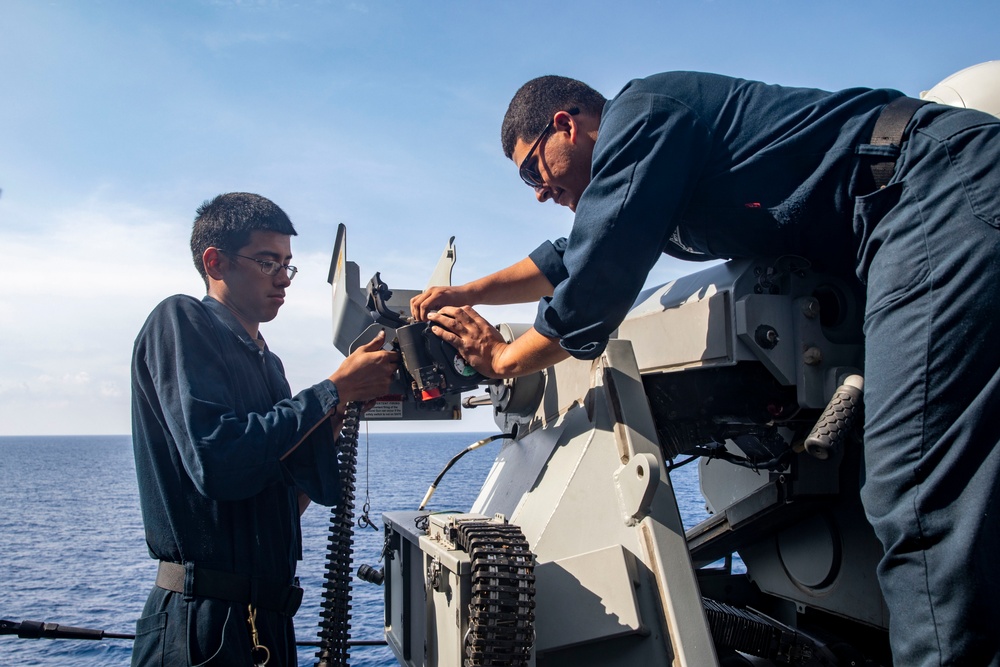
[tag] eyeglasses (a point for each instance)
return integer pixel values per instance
(529, 168)
(267, 267)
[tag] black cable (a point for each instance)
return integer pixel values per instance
(777, 463)
(671, 466)
(454, 459)
(42, 630)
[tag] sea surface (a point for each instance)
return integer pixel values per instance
(72, 549)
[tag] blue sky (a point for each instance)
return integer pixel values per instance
(119, 118)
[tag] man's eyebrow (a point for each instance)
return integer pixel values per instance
(273, 256)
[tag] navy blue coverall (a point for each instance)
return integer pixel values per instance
(212, 416)
(702, 166)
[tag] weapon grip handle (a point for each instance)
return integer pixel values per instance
(838, 418)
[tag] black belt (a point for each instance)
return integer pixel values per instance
(229, 586)
(890, 130)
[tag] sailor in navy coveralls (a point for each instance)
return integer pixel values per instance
(702, 166)
(226, 457)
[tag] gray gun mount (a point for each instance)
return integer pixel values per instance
(753, 368)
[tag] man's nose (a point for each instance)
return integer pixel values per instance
(543, 193)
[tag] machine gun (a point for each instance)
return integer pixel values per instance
(753, 368)
(432, 376)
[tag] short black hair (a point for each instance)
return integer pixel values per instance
(227, 221)
(537, 101)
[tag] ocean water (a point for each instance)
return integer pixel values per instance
(72, 549)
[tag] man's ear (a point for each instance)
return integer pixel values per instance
(213, 260)
(563, 121)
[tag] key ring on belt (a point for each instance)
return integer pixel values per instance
(259, 653)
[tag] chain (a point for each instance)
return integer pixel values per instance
(364, 521)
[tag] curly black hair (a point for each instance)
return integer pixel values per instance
(537, 101)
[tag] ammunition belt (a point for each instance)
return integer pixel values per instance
(501, 614)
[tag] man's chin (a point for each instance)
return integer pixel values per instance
(270, 314)
(569, 200)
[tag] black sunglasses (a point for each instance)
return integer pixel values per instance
(529, 168)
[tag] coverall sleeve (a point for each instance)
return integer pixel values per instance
(650, 152)
(548, 257)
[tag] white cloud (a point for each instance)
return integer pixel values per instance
(86, 278)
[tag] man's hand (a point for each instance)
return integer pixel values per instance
(519, 283)
(476, 340)
(484, 349)
(366, 373)
(436, 298)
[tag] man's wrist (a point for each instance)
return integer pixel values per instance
(471, 293)
(502, 364)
